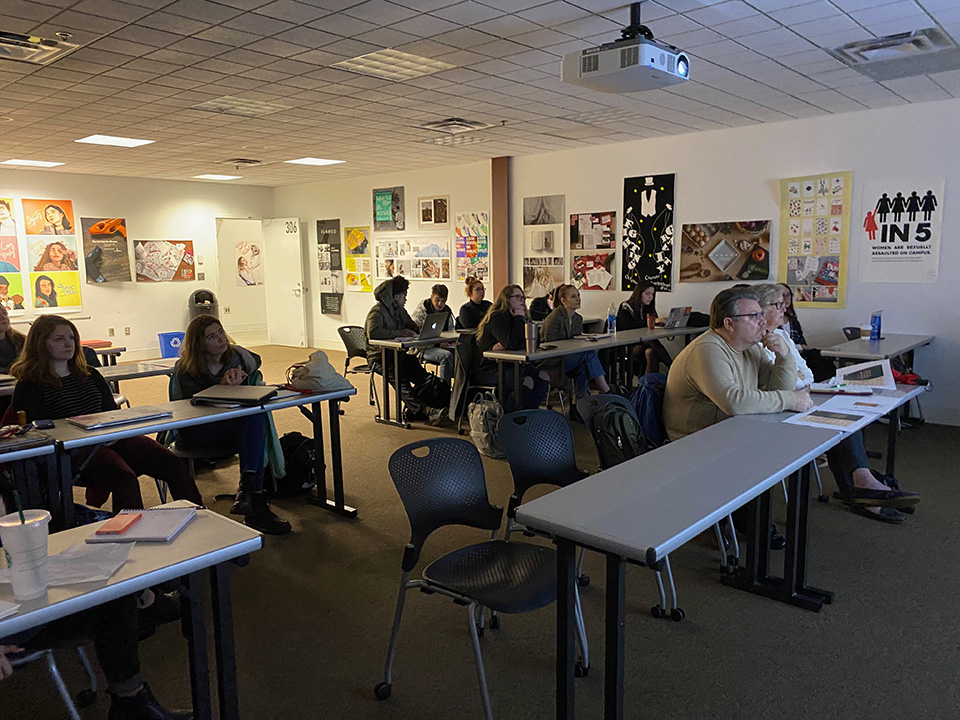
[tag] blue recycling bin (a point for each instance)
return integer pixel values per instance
(170, 343)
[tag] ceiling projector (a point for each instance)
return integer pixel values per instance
(633, 63)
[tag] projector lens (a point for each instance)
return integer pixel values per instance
(683, 66)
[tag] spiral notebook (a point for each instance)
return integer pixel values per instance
(159, 524)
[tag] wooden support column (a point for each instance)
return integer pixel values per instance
(499, 226)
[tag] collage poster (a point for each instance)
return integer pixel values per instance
(105, 252)
(434, 212)
(357, 250)
(899, 230)
(543, 221)
(388, 214)
(54, 266)
(9, 246)
(331, 267)
(593, 251)
(164, 260)
(814, 238)
(473, 245)
(648, 212)
(414, 258)
(725, 251)
(249, 263)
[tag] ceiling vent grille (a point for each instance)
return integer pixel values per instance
(454, 126)
(33, 50)
(229, 105)
(903, 55)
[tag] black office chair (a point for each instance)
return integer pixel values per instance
(93, 360)
(440, 483)
(851, 333)
(355, 341)
(466, 385)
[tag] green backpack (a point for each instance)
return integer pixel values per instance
(617, 435)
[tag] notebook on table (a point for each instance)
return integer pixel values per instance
(159, 524)
(234, 395)
(113, 418)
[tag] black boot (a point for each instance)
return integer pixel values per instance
(242, 504)
(143, 706)
(262, 518)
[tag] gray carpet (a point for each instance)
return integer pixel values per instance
(314, 608)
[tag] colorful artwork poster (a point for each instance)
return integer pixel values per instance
(647, 237)
(45, 254)
(331, 266)
(249, 263)
(388, 213)
(164, 260)
(9, 254)
(359, 274)
(11, 291)
(593, 247)
(541, 275)
(814, 238)
(414, 258)
(711, 252)
(898, 235)
(434, 212)
(8, 223)
(105, 254)
(55, 289)
(49, 217)
(472, 241)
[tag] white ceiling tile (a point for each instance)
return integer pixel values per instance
(803, 13)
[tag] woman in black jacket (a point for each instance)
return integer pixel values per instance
(632, 315)
(475, 308)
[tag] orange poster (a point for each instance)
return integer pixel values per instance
(49, 217)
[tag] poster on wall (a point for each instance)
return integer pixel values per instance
(357, 250)
(388, 213)
(105, 253)
(55, 289)
(48, 217)
(647, 237)
(434, 212)
(11, 291)
(414, 258)
(473, 245)
(8, 223)
(9, 245)
(899, 230)
(593, 248)
(164, 260)
(331, 266)
(249, 263)
(814, 238)
(541, 275)
(710, 252)
(543, 219)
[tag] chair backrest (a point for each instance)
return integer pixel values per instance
(468, 354)
(354, 340)
(539, 447)
(91, 357)
(441, 482)
(851, 333)
(589, 405)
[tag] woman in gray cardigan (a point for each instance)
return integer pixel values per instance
(563, 323)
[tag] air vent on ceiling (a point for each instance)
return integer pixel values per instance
(33, 50)
(455, 126)
(903, 55)
(229, 105)
(454, 140)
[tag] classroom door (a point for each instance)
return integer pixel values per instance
(283, 281)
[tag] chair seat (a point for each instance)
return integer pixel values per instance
(364, 369)
(568, 477)
(508, 577)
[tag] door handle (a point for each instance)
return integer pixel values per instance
(298, 290)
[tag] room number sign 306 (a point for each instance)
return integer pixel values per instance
(291, 227)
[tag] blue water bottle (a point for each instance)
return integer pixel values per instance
(612, 318)
(875, 325)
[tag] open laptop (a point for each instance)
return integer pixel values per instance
(235, 395)
(679, 317)
(433, 326)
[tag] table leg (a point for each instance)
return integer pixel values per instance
(223, 642)
(500, 391)
(517, 389)
(191, 595)
(615, 620)
(566, 622)
(893, 427)
(396, 385)
(65, 490)
(320, 498)
(384, 416)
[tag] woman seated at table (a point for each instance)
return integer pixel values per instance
(209, 358)
(11, 342)
(565, 323)
(502, 328)
(54, 382)
(632, 315)
(823, 368)
(475, 308)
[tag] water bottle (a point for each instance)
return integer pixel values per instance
(612, 318)
(875, 325)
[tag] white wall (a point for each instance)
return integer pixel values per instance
(243, 309)
(153, 210)
(734, 174)
(352, 202)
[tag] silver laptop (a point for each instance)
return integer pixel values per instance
(433, 326)
(234, 395)
(679, 317)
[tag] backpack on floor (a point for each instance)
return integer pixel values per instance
(432, 392)
(617, 435)
(484, 414)
(647, 401)
(298, 456)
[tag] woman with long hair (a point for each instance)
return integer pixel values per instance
(209, 357)
(56, 221)
(56, 258)
(475, 308)
(46, 292)
(11, 343)
(565, 323)
(823, 368)
(502, 328)
(632, 315)
(54, 382)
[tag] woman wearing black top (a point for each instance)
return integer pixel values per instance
(475, 308)
(11, 342)
(633, 315)
(823, 368)
(54, 382)
(502, 329)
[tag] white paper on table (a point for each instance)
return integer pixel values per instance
(845, 422)
(877, 404)
(874, 373)
(8, 608)
(83, 563)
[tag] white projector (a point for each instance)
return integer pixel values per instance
(626, 66)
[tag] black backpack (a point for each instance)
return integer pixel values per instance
(617, 435)
(298, 456)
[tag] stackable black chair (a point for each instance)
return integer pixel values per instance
(465, 384)
(355, 342)
(851, 333)
(440, 483)
(84, 697)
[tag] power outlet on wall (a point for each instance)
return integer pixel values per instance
(126, 331)
(201, 276)
(226, 310)
(110, 332)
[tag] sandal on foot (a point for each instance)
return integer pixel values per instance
(883, 498)
(886, 514)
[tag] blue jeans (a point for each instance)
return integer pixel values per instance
(583, 367)
(443, 359)
(845, 457)
(247, 436)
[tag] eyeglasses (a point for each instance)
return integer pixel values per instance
(778, 305)
(753, 316)
(518, 297)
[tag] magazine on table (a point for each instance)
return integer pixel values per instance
(874, 374)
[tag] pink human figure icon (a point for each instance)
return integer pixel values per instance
(870, 225)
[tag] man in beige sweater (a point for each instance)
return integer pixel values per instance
(725, 372)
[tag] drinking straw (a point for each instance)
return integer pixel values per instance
(16, 499)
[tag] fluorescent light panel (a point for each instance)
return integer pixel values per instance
(313, 161)
(393, 65)
(113, 140)
(217, 177)
(31, 163)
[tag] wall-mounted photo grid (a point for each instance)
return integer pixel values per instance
(49, 274)
(414, 258)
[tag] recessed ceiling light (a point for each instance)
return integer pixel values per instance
(113, 140)
(31, 163)
(241, 107)
(313, 161)
(217, 177)
(393, 65)
(449, 140)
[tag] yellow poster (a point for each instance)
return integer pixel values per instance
(815, 238)
(55, 289)
(359, 270)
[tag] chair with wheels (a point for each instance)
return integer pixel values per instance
(441, 482)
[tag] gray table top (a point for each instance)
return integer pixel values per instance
(449, 336)
(27, 453)
(865, 349)
(569, 347)
(647, 507)
(132, 371)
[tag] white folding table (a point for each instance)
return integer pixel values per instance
(889, 346)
